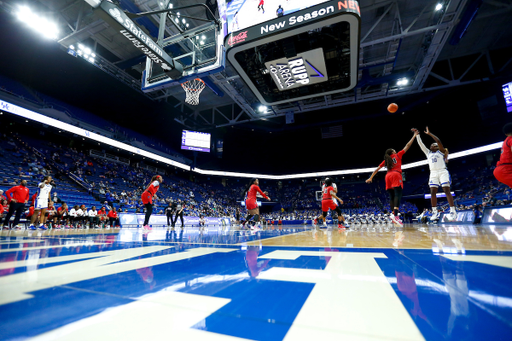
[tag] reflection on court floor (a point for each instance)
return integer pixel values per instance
(293, 283)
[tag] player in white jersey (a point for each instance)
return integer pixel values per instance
(439, 175)
(41, 203)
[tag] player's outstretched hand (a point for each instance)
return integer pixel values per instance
(341, 202)
(427, 131)
(369, 181)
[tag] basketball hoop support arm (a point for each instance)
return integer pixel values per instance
(120, 21)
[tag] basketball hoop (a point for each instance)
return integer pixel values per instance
(193, 89)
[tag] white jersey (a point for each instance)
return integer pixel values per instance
(42, 193)
(435, 160)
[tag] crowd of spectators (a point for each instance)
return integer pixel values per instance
(117, 186)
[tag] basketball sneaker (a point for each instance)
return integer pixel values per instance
(42, 227)
(396, 220)
(435, 216)
(32, 227)
(452, 216)
(341, 226)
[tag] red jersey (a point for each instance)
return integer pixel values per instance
(1, 209)
(19, 193)
(251, 194)
(326, 195)
(506, 152)
(33, 199)
(397, 162)
(153, 188)
(112, 214)
(60, 211)
(30, 211)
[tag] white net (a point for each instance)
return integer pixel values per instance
(193, 89)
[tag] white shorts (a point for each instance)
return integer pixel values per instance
(41, 204)
(440, 178)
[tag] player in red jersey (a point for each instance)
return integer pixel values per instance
(260, 6)
(503, 170)
(394, 184)
(328, 194)
(250, 202)
(147, 198)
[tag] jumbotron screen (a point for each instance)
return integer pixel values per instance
(194, 140)
(243, 14)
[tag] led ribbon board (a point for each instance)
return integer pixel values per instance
(326, 35)
(117, 19)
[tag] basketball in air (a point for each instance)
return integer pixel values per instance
(392, 108)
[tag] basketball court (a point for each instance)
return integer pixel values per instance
(419, 282)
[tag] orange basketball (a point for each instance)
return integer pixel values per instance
(392, 108)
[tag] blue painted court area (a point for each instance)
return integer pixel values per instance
(218, 285)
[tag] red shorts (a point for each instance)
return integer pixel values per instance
(328, 204)
(147, 198)
(251, 204)
(394, 179)
(503, 174)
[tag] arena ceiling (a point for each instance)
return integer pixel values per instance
(456, 45)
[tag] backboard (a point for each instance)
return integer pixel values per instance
(193, 35)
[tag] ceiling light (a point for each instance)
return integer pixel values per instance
(187, 24)
(439, 7)
(262, 108)
(45, 27)
(202, 42)
(183, 21)
(87, 50)
(93, 55)
(71, 47)
(80, 46)
(203, 37)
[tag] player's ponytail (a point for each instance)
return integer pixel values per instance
(388, 159)
(249, 186)
(153, 179)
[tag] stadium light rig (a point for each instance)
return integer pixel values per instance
(439, 7)
(43, 26)
(82, 51)
(402, 82)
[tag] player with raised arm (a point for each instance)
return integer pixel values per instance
(41, 204)
(328, 202)
(394, 183)
(253, 210)
(439, 175)
(503, 170)
(147, 198)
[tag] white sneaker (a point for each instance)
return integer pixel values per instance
(452, 216)
(435, 216)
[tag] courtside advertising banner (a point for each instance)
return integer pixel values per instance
(496, 215)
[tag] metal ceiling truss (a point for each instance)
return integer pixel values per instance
(435, 35)
(382, 44)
